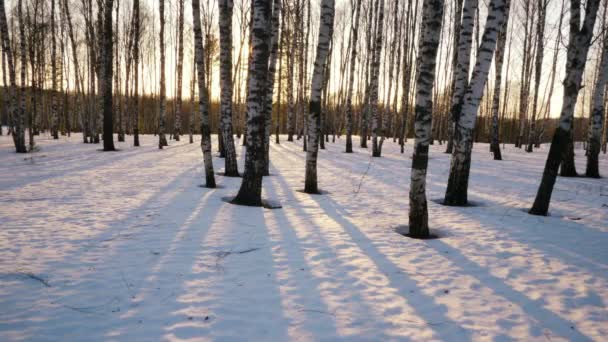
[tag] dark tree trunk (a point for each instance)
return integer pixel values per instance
(107, 55)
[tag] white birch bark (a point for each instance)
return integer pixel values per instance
(250, 192)
(598, 108)
(432, 14)
(272, 67)
(203, 94)
(351, 77)
(323, 42)
(375, 75)
(538, 64)
(498, 64)
(225, 22)
(177, 129)
(461, 74)
(456, 193)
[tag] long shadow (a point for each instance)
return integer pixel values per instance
(398, 279)
(78, 269)
(103, 159)
(230, 290)
(534, 308)
(160, 284)
(349, 279)
(296, 265)
(584, 245)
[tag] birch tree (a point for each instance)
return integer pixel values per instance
(162, 139)
(351, 76)
(325, 35)
(538, 64)
(272, 67)
(461, 74)
(225, 22)
(54, 117)
(594, 138)
(136, 43)
(20, 135)
(250, 192)
(432, 14)
(203, 95)
(456, 193)
(106, 77)
(529, 9)
(373, 102)
(579, 41)
(177, 129)
(498, 63)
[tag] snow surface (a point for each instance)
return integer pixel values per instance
(127, 246)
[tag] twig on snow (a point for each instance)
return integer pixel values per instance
(35, 277)
(369, 166)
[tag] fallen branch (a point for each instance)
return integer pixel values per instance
(35, 277)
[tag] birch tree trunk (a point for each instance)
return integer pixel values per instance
(325, 36)
(19, 129)
(225, 22)
(594, 138)
(432, 14)
(498, 63)
(373, 101)
(77, 75)
(54, 117)
(351, 77)
(250, 192)
(456, 193)
(558, 41)
(272, 67)
(526, 70)
(192, 107)
(177, 129)
(538, 64)
(106, 75)
(203, 95)
(34, 38)
(136, 33)
(463, 61)
(408, 70)
(119, 111)
(162, 139)
(291, 119)
(280, 93)
(579, 41)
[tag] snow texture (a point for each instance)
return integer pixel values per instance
(127, 246)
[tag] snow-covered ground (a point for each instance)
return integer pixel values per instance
(127, 246)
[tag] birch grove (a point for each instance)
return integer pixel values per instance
(579, 40)
(318, 73)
